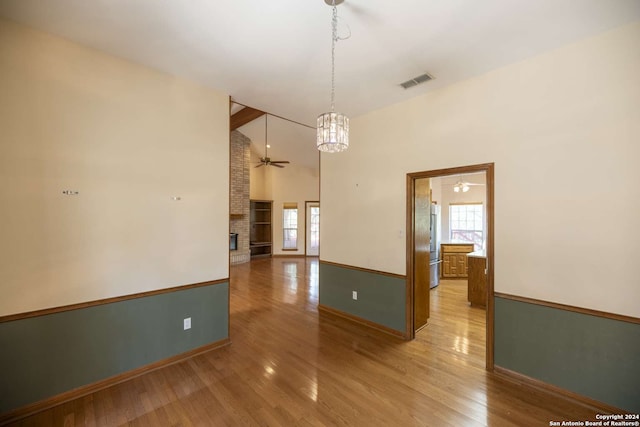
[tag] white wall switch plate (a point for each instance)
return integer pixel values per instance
(354, 295)
(187, 323)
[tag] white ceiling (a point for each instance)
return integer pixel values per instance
(276, 55)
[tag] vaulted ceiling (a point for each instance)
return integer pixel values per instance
(276, 56)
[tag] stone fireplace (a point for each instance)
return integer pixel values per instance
(239, 196)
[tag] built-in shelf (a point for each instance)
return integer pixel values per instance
(260, 228)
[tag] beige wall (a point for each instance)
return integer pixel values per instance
(292, 184)
(547, 123)
(128, 139)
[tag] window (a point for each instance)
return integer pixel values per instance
(467, 223)
(290, 226)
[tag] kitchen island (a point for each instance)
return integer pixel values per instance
(477, 281)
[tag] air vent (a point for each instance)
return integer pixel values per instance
(416, 81)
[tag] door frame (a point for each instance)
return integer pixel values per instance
(488, 168)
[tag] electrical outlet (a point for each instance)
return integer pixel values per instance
(354, 295)
(187, 323)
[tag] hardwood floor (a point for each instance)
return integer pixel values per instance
(288, 365)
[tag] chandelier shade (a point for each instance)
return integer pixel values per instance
(333, 132)
(333, 128)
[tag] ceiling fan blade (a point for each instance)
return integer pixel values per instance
(461, 183)
(279, 161)
(261, 164)
(278, 166)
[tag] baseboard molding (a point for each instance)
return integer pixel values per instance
(527, 381)
(361, 321)
(67, 396)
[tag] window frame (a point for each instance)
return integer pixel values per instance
(287, 226)
(478, 243)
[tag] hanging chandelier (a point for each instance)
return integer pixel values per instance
(333, 128)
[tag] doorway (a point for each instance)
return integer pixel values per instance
(419, 243)
(312, 219)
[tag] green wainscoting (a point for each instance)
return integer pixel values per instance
(43, 356)
(590, 355)
(381, 297)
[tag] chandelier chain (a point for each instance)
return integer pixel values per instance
(334, 39)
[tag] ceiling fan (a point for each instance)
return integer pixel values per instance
(463, 186)
(266, 160)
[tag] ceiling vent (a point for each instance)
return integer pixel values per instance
(416, 81)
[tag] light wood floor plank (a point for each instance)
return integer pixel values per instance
(289, 365)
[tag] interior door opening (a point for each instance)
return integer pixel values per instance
(450, 246)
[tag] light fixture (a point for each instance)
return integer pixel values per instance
(333, 128)
(461, 186)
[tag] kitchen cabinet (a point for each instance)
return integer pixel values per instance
(454, 260)
(477, 282)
